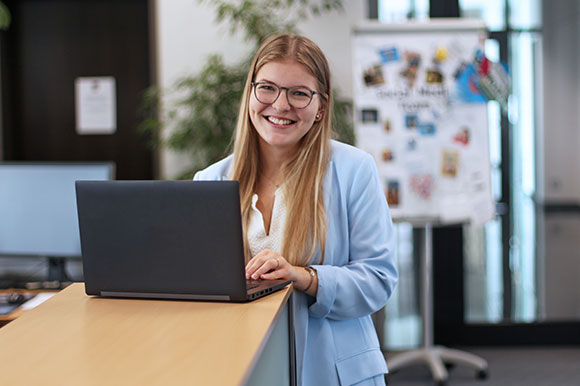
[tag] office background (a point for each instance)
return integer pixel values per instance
(513, 281)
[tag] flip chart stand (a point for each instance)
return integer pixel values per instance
(436, 357)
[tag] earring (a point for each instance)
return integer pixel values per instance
(317, 117)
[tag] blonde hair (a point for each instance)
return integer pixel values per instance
(305, 229)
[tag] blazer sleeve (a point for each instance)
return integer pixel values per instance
(365, 283)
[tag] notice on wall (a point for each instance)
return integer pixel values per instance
(96, 105)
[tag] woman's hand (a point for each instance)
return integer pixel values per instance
(271, 265)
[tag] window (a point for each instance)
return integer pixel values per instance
(500, 265)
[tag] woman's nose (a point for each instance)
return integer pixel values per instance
(281, 104)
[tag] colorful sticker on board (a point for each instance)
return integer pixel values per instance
(411, 121)
(450, 163)
(441, 54)
(373, 76)
(426, 128)
(434, 76)
(422, 185)
(387, 155)
(390, 54)
(388, 126)
(393, 192)
(467, 90)
(369, 116)
(409, 73)
(462, 137)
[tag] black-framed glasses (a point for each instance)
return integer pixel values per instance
(298, 97)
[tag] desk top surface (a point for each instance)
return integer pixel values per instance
(80, 340)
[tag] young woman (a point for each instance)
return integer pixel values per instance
(313, 212)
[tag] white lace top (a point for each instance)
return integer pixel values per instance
(257, 238)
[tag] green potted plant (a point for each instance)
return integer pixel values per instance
(203, 116)
(4, 16)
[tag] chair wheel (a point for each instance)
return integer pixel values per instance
(482, 374)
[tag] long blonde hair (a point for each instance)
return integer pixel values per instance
(305, 230)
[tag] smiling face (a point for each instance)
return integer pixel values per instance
(279, 125)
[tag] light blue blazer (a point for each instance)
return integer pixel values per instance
(336, 343)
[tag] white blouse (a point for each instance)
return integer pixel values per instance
(257, 238)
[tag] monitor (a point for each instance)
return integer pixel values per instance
(38, 214)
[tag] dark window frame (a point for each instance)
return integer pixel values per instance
(450, 326)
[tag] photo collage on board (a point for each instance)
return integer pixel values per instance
(418, 112)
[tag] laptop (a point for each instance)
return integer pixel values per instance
(165, 240)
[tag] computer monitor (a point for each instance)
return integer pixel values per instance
(38, 214)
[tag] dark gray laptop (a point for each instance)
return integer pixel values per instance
(166, 240)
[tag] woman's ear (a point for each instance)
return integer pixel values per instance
(319, 115)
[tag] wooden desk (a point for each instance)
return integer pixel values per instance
(74, 339)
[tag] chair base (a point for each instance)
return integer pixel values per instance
(437, 357)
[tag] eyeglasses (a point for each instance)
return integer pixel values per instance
(298, 97)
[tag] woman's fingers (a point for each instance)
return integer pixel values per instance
(271, 267)
(256, 262)
(275, 274)
(265, 262)
(268, 265)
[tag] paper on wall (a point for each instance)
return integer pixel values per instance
(96, 105)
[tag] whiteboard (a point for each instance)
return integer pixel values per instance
(418, 112)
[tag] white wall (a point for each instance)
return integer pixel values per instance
(187, 34)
